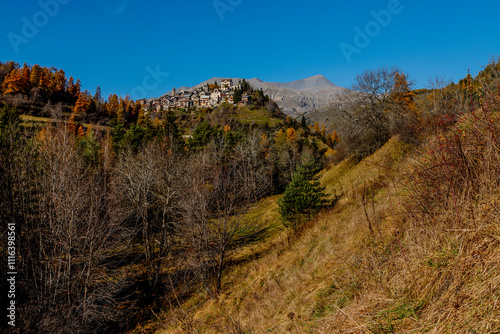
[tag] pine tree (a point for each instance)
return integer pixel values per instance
(237, 96)
(303, 197)
(58, 85)
(74, 90)
(170, 128)
(303, 122)
(97, 95)
(44, 83)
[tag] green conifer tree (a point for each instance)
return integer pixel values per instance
(303, 122)
(303, 197)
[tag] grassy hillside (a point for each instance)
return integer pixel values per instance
(36, 121)
(296, 284)
(255, 116)
(170, 222)
(373, 263)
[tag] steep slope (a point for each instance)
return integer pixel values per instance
(361, 267)
(297, 97)
(324, 116)
(294, 284)
(314, 83)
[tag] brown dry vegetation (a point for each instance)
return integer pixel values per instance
(401, 251)
(411, 247)
(123, 229)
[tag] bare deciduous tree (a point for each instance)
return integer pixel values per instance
(146, 186)
(364, 112)
(68, 238)
(223, 185)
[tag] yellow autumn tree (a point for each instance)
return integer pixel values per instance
(317, 128)
(72, 124)
(42, 135)
(17, 82)
(291, 136)
(402, 98)
(83, 102)
(74, 88)
(333, 138)
(58, 83)
(81, 132)
(120, 112)
(264, 144)
(404, 113)
(112, 105)
(44, 81)
(36, 73)
(141, 119)
(281, 138)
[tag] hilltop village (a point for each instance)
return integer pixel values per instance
(209, 95)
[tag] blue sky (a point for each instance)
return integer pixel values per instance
(129, 46)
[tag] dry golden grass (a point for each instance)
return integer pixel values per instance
(408, 273)
(29, 121)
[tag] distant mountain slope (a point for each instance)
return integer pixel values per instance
(295, 97)
(309, 84)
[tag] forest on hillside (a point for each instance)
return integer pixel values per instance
(115, 224)
(109, 221)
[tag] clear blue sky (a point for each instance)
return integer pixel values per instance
(111, 43)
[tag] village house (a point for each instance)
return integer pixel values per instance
(228, 98)
(195, 99)
(215, 97)
(226, 84)
(246, 99)
(199, 97)
(204, 100)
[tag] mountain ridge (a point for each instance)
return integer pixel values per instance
(294, 97)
